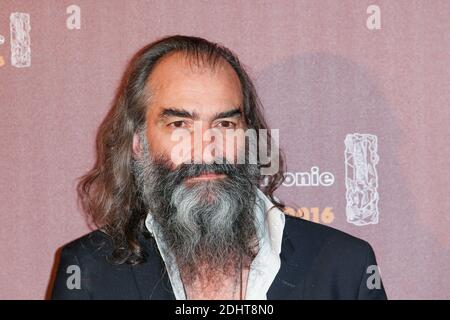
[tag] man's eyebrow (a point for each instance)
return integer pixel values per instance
(175, 112)
(228, 114)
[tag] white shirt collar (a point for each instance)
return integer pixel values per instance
(269, 224)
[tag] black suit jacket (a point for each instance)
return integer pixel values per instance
(317, 262)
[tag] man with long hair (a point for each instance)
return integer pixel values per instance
(178, 219)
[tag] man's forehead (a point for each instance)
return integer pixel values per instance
(176, 82)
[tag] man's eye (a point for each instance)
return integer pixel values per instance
(226, 124)
(177, 124)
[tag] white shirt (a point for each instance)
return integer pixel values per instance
(263, 269)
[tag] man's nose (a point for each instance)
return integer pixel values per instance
(207, 144)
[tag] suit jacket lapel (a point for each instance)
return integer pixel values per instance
(288, 282)
(151, 277)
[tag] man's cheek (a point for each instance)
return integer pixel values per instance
(235, 147)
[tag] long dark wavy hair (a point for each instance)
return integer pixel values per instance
(108, 192)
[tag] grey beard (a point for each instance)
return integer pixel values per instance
(208, 225)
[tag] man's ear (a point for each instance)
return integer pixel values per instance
(137, 149)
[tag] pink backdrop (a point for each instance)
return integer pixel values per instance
(321, 73)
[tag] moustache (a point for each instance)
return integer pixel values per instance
(188, 171)
(175, 176)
